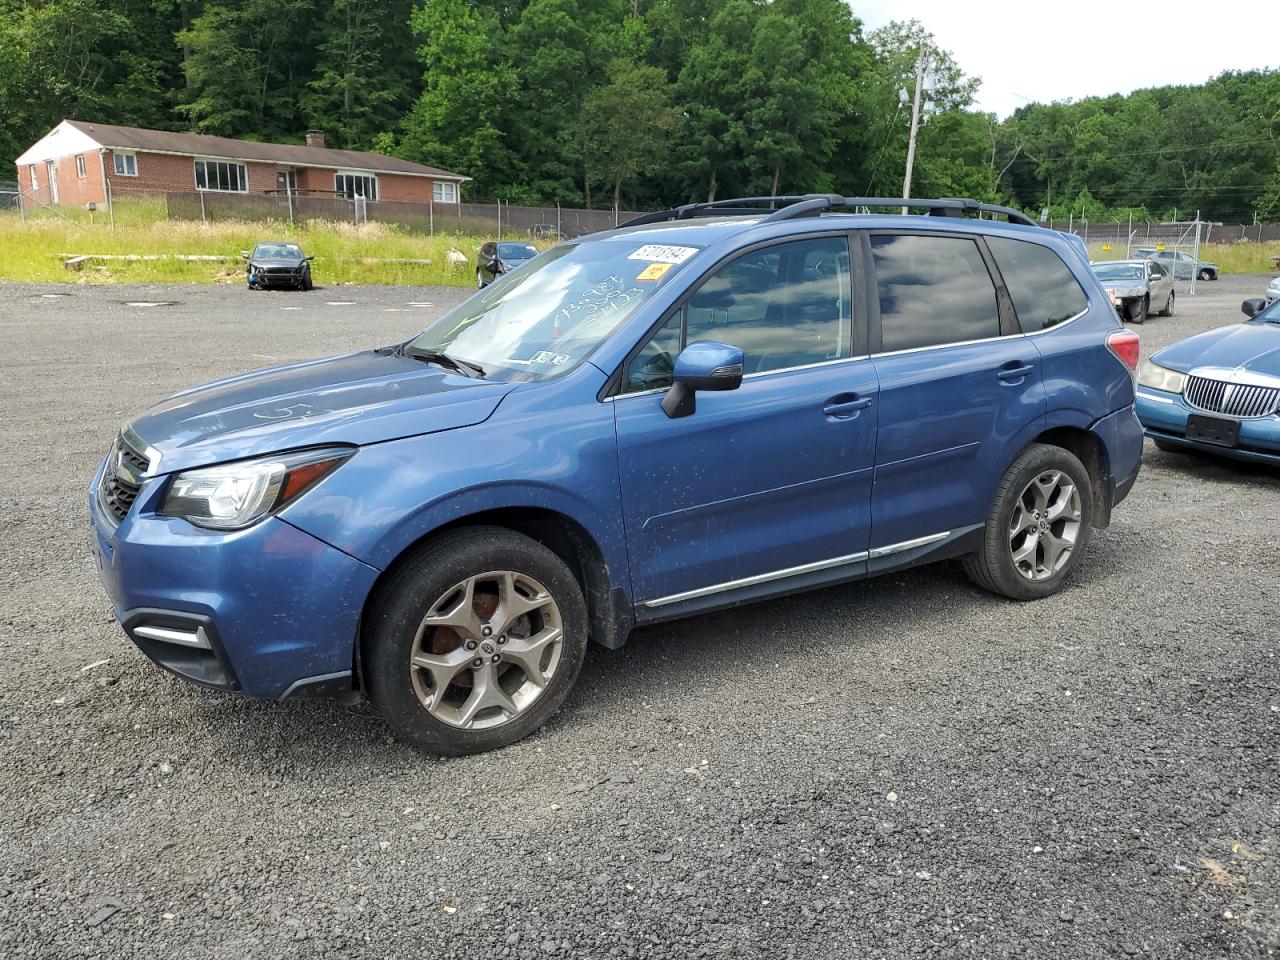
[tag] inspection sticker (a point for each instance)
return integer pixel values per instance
(663, 253)
(546, 356)
(654, 271)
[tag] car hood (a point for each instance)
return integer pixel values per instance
(1250, 346)
(356, 399)
(276, 262)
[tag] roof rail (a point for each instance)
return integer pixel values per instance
(814, 204)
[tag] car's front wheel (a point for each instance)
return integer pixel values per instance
(475, 641)
(1206, 274)
(479, 280)
(1039, 525)
(1138, 310)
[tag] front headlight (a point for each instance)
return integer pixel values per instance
(236, 495)
(1161, 378)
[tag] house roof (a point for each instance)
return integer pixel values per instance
(198, 145)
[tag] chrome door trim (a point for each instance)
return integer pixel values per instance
(758, 578)
(908, 544)
(749, 376)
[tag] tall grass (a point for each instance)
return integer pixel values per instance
(345, 252)
(1241, 257)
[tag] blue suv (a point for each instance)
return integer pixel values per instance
(709, 406)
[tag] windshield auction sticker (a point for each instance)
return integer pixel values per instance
(654, 271)
(663, 253)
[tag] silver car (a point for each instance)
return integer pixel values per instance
(1137, 287)
(1183, 265)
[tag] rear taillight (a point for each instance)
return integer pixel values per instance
(1125, 345)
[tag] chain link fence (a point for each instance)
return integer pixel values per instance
(129, 206)
(10, 197)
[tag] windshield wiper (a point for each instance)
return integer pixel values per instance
(465, 367)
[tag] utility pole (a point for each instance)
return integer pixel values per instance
(921, 63)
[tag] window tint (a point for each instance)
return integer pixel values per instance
(1044, 291)
(786, 305)
(933, 290)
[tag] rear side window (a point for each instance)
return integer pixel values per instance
(1044, 291)
(933, 290)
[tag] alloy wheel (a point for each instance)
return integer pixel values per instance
(486, 650)
(1045, 525)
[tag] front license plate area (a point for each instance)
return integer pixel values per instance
(1218, 431)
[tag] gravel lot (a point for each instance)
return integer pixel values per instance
(898, 768)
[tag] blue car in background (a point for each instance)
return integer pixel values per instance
(1219, 391)
(711, 405)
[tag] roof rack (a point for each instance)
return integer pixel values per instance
(812, 204)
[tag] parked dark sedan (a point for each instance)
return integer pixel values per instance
(278, 264)
(499, 257)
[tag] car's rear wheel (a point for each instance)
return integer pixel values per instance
(1138, 312)
(475, 641)
(1039, 525)
(1168, 307)
(1206, 274)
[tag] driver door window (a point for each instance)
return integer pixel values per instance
(786, 305)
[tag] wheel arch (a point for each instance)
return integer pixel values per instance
(1090, 450)
(608, 607)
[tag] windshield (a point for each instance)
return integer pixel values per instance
(278, 250)
(517, 251)
(1120, 271)
(541, 320)
(1271, 314)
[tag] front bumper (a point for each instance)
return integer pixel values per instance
(1164, 417)
(268, 611)
(287, 280)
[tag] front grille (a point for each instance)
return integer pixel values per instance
(121, 479)
(1242, 400)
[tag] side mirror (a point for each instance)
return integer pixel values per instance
(312, 257)
(1250, 308)
(705, 365)
(244, 254)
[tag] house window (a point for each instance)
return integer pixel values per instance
(352, 185)
(80, 165)
(222, 175)
(126, 164)
(35, 180)
(444, 192)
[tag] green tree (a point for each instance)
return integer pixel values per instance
(625, 124)
(246, 63)
(364, 71)
(468, 90)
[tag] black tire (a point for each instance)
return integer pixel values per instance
(1168, 447)
(396, 613)
(1168, 307)
(1207, 275)
(307, 284)
(1140, 315)
(480, 284)
(991, 566)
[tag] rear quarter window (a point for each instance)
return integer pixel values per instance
(1044, 291)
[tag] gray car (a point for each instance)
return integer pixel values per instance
(1136, 287)
(1182, 265)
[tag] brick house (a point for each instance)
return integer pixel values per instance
(76, 162)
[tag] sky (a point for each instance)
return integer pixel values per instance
(1035, 51)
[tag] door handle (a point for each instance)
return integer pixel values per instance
(1016, 373)
(845, 406)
